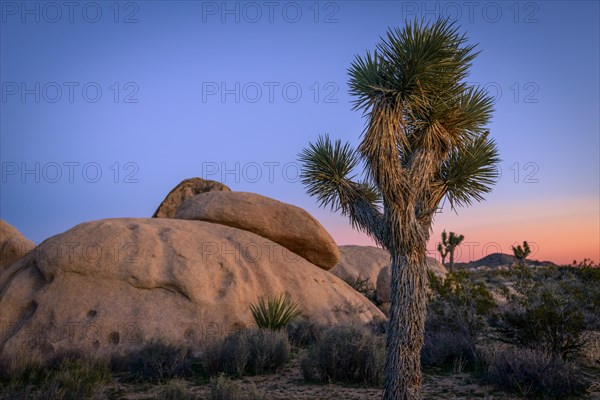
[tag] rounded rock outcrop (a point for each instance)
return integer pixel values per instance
(112, 285)
(285, 224)
(360, 261)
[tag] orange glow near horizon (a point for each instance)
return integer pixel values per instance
(559, 230)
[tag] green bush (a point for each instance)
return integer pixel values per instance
(546, 316)
(346, 353)
(533, 373)
(274, 312)
(458, 287)
(582, 287)
(247, 351)
(457, 304)
(456, 316)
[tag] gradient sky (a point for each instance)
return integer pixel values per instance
(106, 106)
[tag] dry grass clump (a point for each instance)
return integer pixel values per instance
(247, 352)
(346, 353)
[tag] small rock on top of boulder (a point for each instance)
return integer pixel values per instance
(184, 190)
(285, 224)
(13, 245)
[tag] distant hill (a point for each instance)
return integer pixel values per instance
(497, 259)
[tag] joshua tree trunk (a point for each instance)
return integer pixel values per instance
(451, 263)
(407, 324)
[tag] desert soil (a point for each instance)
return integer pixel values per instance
(288, 384)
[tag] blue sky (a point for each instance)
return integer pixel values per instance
(109, 105)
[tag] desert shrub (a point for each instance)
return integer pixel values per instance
(577, 288)
(491, 277)
(532, 373)
(50, 391)
(457, 304)
(229, 355)
(459, 288)
(61, 358)
(269, 351)
(456, 313)
(582, 286)
(175, 390)
(543, 319)
(303, 332)
(378, 327)
(274, 312)
(24, 368)
(17, 392)
(549, 324)
(223, 388)
(156, 362)
(365, 287)
(346, 354)
(78, 379)
(64, 380)
(247, 351)
(449, 349)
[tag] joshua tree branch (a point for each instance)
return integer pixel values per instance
(326, 172)
(364, 214)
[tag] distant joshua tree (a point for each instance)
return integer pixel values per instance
(447, 247)
(425, 139)
(521, 253)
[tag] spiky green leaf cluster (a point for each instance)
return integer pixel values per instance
(274, 312)
(327, 175)
(470, 171)
(420, 71)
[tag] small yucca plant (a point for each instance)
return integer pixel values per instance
(274, 312)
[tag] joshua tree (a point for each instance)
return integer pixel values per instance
(442, 250)
(424, 140)
(521, 253)
(448, 245)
